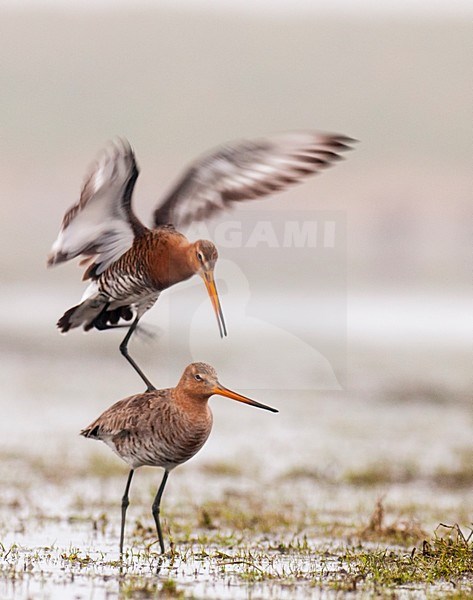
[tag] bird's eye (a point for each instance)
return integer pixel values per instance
(200, 256)
(198, 377)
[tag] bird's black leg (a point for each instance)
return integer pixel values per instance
(125, 503)
(124, 351)
(156, 504)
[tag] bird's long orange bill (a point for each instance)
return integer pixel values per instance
(223, 391)
(212, 290)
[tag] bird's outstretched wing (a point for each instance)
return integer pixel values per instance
(102, 224)
(246, 170)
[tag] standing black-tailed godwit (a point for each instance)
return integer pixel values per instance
(128, 264)
(162, 428)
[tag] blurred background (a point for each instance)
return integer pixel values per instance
(385, 319)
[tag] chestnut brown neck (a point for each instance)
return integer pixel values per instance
(170, 259)
(195, 406)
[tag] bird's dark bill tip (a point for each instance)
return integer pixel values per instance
(223, 329)
(223, 391)
(263, 406)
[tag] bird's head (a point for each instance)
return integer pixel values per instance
(203, 256)
(200, 380)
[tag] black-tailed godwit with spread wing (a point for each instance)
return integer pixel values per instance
(128, 264)
(162, 428)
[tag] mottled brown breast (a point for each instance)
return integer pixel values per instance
(153, 429)
(184, 434)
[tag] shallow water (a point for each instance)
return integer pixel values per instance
(398, 427)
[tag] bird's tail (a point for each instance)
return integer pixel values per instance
(94, 312)
(84, 314)
(90, 432)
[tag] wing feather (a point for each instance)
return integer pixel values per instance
(102, 223)
(247, 170)
(127, 415)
